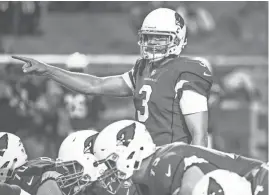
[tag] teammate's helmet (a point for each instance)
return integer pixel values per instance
(163, 33)
(222, 182)
(12, 154)
(77, 160)
(122, 146)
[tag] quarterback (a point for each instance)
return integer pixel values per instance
(170, 92)
(128, 151)
(18, 176)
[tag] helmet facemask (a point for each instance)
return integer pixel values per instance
(73, 179)
(113, 179)
(156, 45)
(162, 23)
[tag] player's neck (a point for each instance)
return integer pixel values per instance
(141, 176)
(161, 62)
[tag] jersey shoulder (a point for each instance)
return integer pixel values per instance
(192, 74)
(198, 66)
(167, 169)
(139, 66)
(166, 160)
(29, 175)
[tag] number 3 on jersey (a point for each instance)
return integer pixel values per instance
(143, 115)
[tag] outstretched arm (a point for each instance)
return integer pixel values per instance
(82, 83)
(89, 84)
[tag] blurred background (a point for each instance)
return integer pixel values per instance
(101, 38)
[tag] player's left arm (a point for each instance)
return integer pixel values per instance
(198, 126)
(193, 88)
(194, 108)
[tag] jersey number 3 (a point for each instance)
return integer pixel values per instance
(143, 115)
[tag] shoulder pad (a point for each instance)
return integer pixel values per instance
(194, 65)
(139, 66)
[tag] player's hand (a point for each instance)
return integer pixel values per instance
(32, 66)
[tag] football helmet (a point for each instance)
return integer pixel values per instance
(12, 155)
(222, 182)
(122, 146)
(76, 162)
(163, 33)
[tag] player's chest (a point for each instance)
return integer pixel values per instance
(155, 86)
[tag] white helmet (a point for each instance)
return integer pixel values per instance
(168, 28)
(77, 159)
(222, 182)
(12, 154)
(122, 146)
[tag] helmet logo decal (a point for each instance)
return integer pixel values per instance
(179, 20)
(126, 135)
(3, 144)
(88, 144)
(214, 187)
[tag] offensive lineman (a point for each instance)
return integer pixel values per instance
(18, 176)
(127, 149)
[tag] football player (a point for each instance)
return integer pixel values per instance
(170, 91)
(20, 175)
(221, 182)
(76, 160)
(127, 148)
(78, 165)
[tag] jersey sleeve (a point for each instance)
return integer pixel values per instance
(193, 86)
(129, 79)
(130, 76)
(194, 82)
(28, 176)
(192, 102)
(36, 167)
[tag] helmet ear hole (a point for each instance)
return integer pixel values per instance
(176, 41)
(5, 165)
(136, 164)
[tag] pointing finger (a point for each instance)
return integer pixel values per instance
(24, 59)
